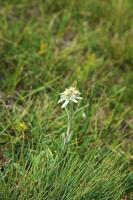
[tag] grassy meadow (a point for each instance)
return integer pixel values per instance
(45, 47)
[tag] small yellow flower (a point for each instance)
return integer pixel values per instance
(92, 58)
(42, 49)
(21, 126)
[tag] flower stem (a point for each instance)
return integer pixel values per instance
(68, 132)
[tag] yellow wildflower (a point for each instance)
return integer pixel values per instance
(21, 126)
(42, 49)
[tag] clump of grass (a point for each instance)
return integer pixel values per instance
(96, 175)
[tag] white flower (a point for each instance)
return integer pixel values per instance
(69, 95)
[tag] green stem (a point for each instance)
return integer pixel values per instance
(69, 124)
(68, 132)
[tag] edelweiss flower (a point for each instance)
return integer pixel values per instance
(69, 95)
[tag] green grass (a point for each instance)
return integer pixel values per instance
(45, 47)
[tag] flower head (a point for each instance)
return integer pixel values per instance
(69, 95)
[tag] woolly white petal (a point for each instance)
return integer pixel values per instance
(65, 104)
(61, 100)
(80, 98)
(74, 100)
